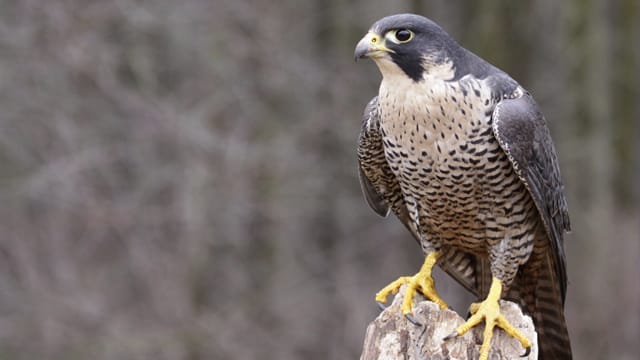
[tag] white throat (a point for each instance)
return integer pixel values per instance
(433, 70)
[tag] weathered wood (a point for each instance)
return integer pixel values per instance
(392, 337)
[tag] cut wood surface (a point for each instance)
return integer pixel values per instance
(391, 336)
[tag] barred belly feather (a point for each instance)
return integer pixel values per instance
(458, 184)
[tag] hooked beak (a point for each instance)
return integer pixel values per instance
(371, 46)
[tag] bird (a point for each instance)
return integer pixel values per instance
(461, 154)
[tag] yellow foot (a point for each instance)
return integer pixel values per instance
(422, 281)
(489, 310)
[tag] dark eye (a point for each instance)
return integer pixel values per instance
(403, 35)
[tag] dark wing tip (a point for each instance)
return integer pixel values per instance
(375, 201)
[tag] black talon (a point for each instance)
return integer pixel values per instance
(450, 336)
(526, 352)
(412, 320)
(381, 306)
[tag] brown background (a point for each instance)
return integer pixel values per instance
(178, 178)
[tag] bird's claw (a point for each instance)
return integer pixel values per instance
(412, 320)
(381, 305)
(450, 336)
(454, 334)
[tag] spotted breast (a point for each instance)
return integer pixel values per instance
(457, 183)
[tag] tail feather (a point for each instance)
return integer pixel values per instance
(542, 297)
(553, 333)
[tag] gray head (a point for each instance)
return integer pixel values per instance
(416, 45)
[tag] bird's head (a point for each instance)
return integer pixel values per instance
(408, 45)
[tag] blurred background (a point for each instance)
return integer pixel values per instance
(178, 178)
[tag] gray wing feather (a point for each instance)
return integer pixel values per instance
(521, 131)
(373, 170)
(375, 201)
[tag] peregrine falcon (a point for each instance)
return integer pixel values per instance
(461, 154)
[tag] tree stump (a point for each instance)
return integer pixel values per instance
(392, 337)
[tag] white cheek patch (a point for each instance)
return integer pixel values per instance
(391, 71)
(434, 70)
